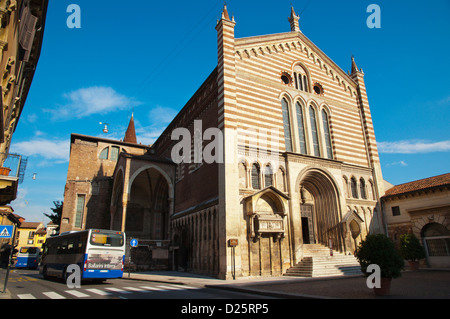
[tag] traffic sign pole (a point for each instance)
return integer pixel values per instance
(133, 243)
(10, 259)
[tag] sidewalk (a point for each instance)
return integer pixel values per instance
(420, 284)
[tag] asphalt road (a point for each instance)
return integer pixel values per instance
(29, 284)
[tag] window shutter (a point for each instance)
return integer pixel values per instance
(27, 30)
(255, 177)
(286, 125)
(327, 135)
(301, 128)
(315, 136)
(267, 176)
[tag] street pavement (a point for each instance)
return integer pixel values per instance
(419, 284)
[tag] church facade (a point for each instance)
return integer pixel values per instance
(289, 159)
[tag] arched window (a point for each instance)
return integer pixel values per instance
(372, 190)
(255, 176)
(242, 175)
(301, 128)
(268, 176)
(326, 133)
(114, 153)
(286, 125)
(362, 188)
(281, 185)
(345, 185)
(300, 78)
(314, 132)
(354, 188)
(104, 153)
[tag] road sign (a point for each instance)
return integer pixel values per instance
(134, 242)
(6, 231)
(233, 242)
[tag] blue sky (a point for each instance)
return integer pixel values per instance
(149, 57)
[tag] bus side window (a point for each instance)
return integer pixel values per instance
(70, 249)
(44, 250)
(62, 249)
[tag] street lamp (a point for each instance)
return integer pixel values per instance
(105, 129)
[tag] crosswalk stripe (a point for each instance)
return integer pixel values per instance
(134, 289)
(123, 290)
(118, 290)
(26, 296)
(153, 288)
(53, 295)
(170, 287)
(77, 293)
(98, 292)
(186, 287)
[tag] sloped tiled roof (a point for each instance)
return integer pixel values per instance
(421, 184)
(30, 225)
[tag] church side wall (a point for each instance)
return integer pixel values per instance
(90, 177)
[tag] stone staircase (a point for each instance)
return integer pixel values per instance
(317, 262)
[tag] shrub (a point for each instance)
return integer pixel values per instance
(380, 250)
(410, 248)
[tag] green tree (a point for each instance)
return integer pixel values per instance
(379, 250)
(57, 213)
(410, 248)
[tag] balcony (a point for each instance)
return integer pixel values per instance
(12, 171)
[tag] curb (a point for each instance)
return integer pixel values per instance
(5, 295)
(268, 293)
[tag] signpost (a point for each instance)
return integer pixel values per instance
(134, 242)
(8, 231)
(233, 243)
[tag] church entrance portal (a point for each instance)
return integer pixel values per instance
(320, 210)
(307, 224)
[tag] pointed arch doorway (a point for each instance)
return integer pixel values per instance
(320, 209)
(147, 214)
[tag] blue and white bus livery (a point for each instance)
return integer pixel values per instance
(99, 253)
(28, 257)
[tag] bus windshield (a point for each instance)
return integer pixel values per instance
(113, 239)
(28, 250)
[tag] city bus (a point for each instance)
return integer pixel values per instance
(28, 257)
(99, 253)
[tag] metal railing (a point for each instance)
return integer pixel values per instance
(13, 165)
(437, 246)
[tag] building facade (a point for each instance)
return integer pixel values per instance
(275, 150)
(22, 25)
(422, 208)
(30, 234)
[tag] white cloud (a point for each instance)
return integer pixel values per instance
(28, 209)
(413, 147)
(92, 100)
(57, 150)
(444, 101)
(162, 115)
(32, 118)
(399, 163)
(148, 135)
